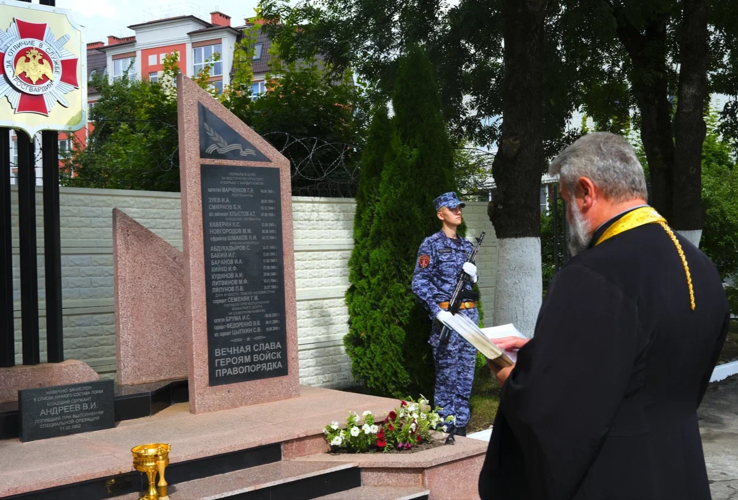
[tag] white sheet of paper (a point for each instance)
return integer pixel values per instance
(509, 330)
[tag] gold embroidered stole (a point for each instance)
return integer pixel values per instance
(640, 217)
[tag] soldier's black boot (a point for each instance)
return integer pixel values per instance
(450, 439)
(461, 431)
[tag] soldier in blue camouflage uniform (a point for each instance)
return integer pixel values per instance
(441, 259)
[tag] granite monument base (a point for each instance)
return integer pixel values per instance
(21, 377)
(271, 450)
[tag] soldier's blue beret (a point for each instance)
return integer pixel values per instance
(449, 200)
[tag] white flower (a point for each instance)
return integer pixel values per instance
(337, 441)
(423, 401)
(334, 426)
(366, 428)
(412, 426)
(444, 428)
(355, 431)
(423, 416)
(374, 429)
(411, 408)
(415, 416)
(366, 413)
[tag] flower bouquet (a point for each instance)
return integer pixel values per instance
(408, 425)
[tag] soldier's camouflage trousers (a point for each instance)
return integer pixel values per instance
(454, 371)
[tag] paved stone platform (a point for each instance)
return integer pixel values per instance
(718, 418)
(296, 422)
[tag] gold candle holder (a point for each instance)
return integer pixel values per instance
(152, 459)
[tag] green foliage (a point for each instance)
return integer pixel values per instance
(472, 168)
(237, 96)
(719, 194)
(134, 141)
(548, 262)
(389, 329)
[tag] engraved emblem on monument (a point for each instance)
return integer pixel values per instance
(244, 273)
(218, 141)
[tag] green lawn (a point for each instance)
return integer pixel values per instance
(484, 400)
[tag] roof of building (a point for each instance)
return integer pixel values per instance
(116, 45)
(262, 65)
(215, 28)
(169, 19)
(97, 62)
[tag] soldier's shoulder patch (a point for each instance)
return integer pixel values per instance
(423, 261)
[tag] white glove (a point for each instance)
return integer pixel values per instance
(471, 270)
(445, 317)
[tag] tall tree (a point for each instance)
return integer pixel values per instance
(515, 209)
(465, 44)
(388, 339)
(673, 143)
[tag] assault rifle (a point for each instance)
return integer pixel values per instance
(460, 292)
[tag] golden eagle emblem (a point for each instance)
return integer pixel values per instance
(34, 66)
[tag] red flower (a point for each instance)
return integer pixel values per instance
(408, 446)
(404, 403)
(380, 433)
(418, 438)
(390, 427)
(381, 443)
(392, 415)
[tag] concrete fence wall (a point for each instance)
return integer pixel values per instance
(323, 240)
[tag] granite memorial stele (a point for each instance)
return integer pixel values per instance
(239, 259)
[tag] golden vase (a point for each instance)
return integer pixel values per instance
(152, 459)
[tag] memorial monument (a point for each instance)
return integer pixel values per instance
(238, 246)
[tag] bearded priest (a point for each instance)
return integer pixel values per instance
(602, 402)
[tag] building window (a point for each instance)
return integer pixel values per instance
(65, 147)
(154, 77)
(124, 66)
(257, 51)
(257, 88)
(208, 55)
(218, 86)
(152, 60)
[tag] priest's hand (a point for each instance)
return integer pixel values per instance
(500, 373)
(510, 343)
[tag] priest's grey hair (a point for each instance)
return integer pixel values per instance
(608, 160)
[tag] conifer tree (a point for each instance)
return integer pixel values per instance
(389, 333)
(359, 294)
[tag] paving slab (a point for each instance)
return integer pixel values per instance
(718, 418)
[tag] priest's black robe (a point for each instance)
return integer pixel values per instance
(602, 402)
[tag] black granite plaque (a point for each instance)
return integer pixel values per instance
(61, 410)
(218, 141)
(244, 273)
